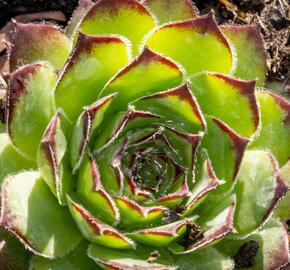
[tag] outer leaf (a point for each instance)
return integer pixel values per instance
(225, 98)
(75, 260)
(26, 203)
(96, 231)
(204, 47)
(128, 18)
(224, 146)
(273, 252)
(259, 188)
(94, 61)
(38, 42)
(275, 131)
(13, 255)
(250, 51)
(208, 258)
(77, 17)
(52, 162)
(130, 260)
(158, 73)
(29, 97)
(10, 160)
(171, 10)
(283, 209)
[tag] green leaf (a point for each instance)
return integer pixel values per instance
(198, 45)
(273, 252)
(171, 10)
(275, 131)
(30, 96)
(128, 18)
(90, 190)
(250, 52)
(232, 101)
(77, 259)
(259, 188)
(208, 258)
(93, 62)
(78, 15)
(52, 161)
(131, 260)
(177, 107)
(207, 182)
(85, 128)
(31, 212)
(13, 255)
(160, 236)
(149, 73)
(96, 231)
(10, 160)
(38, 42)
(216, 224)
(134, 215)
(224, 146)
(283, 209)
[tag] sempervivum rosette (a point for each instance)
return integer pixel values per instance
(137, 140)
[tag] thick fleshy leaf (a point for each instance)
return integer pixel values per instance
(259, 188)
(283, 209)
(30, 96)
(161, 236)
(122, 123)
(95, 231)
(225, 98)
(134, 215)
(149, 73)
(85, 129)
(94, 61)
(273, 247)
(10, 160)
(224, 146)
(38, 42)
(250, 52)
(77, 259)
(175, 198)
(177, 107)
(171, 10)
(205, 259)
(52, 161)
(185, 149)
(128, 18)
(275, 131)
(130, 260)
(207, 182)
(90, 190)
(204, 47)
(26, 203)
(77, 17)
(215, 225)
(13, 255)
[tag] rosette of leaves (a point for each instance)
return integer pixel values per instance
(138, 139)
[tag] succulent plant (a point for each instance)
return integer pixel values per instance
(141, 138)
